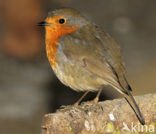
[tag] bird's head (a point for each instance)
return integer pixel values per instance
(63, 21)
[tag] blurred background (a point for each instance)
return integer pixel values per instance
(28, 87)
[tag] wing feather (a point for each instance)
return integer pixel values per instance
(101, 54)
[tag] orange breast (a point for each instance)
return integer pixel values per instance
(53, 33)
(51, 49)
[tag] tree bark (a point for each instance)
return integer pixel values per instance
(111, 116)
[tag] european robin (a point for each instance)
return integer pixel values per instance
(84, 57)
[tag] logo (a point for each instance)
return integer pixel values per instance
(138, 128)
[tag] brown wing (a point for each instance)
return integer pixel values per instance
(113, 55)
(98, 53)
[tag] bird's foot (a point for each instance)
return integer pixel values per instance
(96, 100)
(76, 104)
(79, 100)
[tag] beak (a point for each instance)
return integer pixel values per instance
(43, 23)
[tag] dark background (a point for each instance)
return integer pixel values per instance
(28, 87)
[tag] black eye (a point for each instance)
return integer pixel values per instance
(61, 21)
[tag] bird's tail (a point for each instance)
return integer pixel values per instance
(134, 106)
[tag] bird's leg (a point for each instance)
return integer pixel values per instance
(79, 100)
(96, 99)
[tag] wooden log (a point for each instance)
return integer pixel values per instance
(111, 116)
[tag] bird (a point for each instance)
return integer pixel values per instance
(84, 57)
